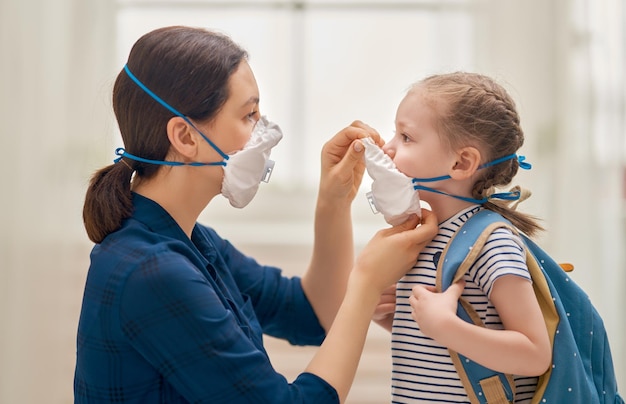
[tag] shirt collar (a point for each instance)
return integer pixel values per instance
(158, 220)
(155, 217)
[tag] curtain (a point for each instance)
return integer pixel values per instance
(562, 60)
(590, 168)
(564, 63)
(56, 63)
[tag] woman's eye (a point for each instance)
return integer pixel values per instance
(253, 116)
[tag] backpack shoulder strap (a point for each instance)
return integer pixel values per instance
(465, 246)
(582, 367)
(481, 384)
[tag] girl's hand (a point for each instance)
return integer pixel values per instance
(387, 305)
(433, 311)
(342, 162)
(521, 348)
(386, 308)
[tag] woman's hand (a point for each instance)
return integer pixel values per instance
(388, 256)
(342, 162)
(333, 249)
(393, 251)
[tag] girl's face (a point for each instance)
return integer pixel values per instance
(232, 127)
(416, 148)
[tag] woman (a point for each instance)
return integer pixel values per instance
(172, 312)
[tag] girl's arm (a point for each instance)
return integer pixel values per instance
(522, 348)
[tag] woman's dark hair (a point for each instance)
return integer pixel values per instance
(474, 110)
(188, 68)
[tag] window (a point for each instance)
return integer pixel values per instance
(320, 65)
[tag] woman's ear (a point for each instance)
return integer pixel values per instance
(181, 136)
(466, 164)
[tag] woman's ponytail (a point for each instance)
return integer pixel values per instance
(169, 61)
(107, 201)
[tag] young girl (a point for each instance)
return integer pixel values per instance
(457, 135)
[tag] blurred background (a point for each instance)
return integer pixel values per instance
(320, 65)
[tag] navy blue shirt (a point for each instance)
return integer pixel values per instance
(168, 319)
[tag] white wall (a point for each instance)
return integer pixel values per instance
(319, 68)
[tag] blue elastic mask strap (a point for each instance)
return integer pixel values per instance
(520, 160)
(433, 179)
(436, 191)
(175, 112)
(123, 153)
(507, 196)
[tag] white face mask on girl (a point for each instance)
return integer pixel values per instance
(396, 195)
(246, 168)
(243, 170)
(392, 192)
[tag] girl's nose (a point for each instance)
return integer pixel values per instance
(389, 150)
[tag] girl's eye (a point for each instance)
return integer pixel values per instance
(404, 138)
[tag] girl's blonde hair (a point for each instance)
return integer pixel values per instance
(474, 110)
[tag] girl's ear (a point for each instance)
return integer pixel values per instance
(466, 164)
(182, 138)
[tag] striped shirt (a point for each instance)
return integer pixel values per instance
(422, 369)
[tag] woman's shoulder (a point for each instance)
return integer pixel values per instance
(133, 241)
(135, 246)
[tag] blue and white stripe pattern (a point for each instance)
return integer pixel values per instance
(422, 369)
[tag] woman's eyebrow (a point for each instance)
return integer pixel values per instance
(252, 100)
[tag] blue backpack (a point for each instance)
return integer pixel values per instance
(582, 368)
